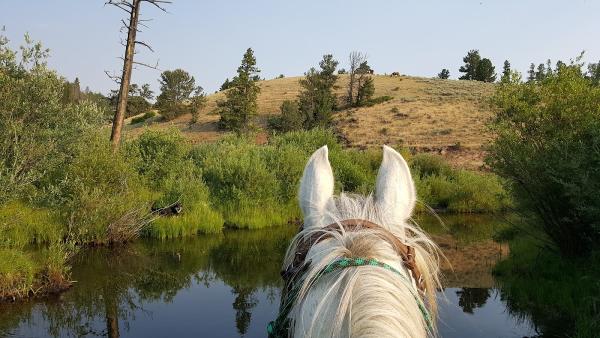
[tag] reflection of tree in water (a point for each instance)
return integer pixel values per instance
(113, 284)
(471, 298)
(243, 303)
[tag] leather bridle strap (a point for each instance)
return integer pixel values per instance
(350, 225)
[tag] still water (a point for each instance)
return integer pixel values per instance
(229, 286)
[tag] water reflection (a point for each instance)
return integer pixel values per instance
(472, 298)
(217, 286)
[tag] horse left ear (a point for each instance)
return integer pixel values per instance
(316, 187)
(395, 193)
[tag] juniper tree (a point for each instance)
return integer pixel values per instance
(237, 110)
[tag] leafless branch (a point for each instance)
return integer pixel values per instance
(157, 3)
(115, 78)
(145, 45)
(121, 5)
(155, 67)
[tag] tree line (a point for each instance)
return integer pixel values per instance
(477, 68)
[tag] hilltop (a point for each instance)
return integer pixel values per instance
(428, 115)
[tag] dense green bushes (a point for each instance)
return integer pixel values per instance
(443, 188)
(548, 146)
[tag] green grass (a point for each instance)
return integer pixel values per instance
(17, 273)
(201, 220)
(22, 224)
(140, 119)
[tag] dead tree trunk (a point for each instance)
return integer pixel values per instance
(132, 7)
(115, 136)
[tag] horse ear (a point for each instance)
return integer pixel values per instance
(316, 187)
(395, 193)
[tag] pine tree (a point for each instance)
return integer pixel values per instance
(178, 92)
(317, 100)
(240, 105)
(505, 72)
(540, 74)
(531, 73)
(485, 71)
(364, 83)
(470, 67)
(444, 74)
(365, 92)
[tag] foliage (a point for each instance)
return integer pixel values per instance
(100, 197)
(378, 100)
(461, 191)
(291, 119)
(317, 100)
(485, 71)
(476, 68)
(547, 145)
(239, 107)
(444, 74)
(365, 92)
(469, 69)
(36, 128)
(179, 94)
(138, 99)
(162, 159)
(506, 71)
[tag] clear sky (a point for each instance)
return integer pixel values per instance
(208, 38)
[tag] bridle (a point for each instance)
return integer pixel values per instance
(350, 225)
(291, 275)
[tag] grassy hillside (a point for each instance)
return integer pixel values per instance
(430, 115)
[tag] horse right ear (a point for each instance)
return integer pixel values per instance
(316, 187)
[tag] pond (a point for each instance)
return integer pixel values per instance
(229, 286)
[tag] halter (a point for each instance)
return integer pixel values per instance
(279, 328)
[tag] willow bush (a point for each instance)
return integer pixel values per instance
(547, 145)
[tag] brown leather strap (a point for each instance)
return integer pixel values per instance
(406, 252)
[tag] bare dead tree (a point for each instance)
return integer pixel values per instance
(132, 8)
(355, 59)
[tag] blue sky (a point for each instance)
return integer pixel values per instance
(208, 38)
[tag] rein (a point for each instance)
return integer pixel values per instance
(293, 273)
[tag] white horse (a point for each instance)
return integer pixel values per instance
(359, 267)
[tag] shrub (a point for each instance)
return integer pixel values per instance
(37, 129)
(378, 100)
(99, 195)
(427, 165)
(477, 193)
(238, 178)
(291, 117)
(163, 160)
(140, 119)
(546, 145)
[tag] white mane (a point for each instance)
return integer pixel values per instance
(364, 301)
